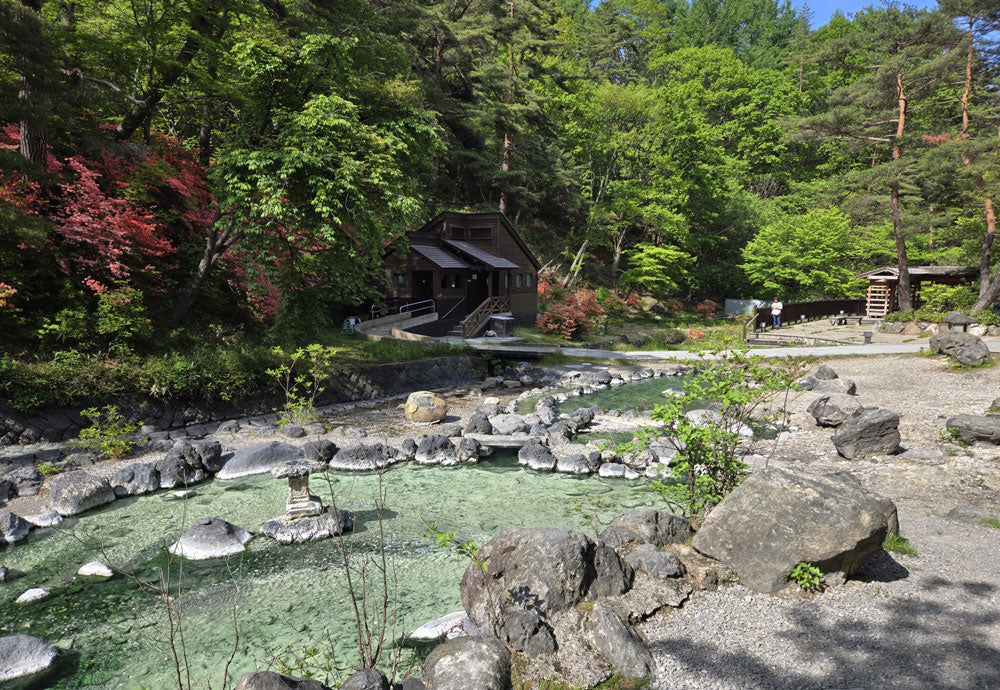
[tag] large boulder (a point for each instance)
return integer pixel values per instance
(833, 409)
(537, 457)
(875, 431)
(648, 526)
(778, 518)
(25, 661)
(964, 347)
(211, 538)
(319, 451)
(26, 481)
(330, 523)
(508, 424)
(258, 459)
(269, 680)
(424, 406)
(825, 373)
(13, 528)
(482, 663)
(479, 423)
(542, 570)
(362, 457)
(436, 450)
(837, 385)
(74, 492)
(972, 427)
(135, 479)
(660, 565)
(368, 679)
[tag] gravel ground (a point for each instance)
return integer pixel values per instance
(925, 621)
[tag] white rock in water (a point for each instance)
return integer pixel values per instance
(49, 518)
(33, 594)
(95, 569)
(446, 627)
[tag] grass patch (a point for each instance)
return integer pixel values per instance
(990, 522)
(898, 544)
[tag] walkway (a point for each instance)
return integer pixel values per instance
(659, 355)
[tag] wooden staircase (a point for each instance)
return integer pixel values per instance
(471, 324)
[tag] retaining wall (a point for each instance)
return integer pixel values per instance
(366, 383)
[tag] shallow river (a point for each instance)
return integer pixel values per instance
(286, 595)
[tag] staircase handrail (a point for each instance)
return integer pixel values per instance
(452, 309)
(474, 321)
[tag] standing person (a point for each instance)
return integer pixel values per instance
(776, 307)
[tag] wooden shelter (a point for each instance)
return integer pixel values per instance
(470, 265)
(883, 284)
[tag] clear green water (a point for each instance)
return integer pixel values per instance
(287, 595)
(640, 395)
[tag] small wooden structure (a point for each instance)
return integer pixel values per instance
(466, 266)
(883, 284)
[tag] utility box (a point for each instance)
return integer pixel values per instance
(503, 326)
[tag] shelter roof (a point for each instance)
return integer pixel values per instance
(473, 217)
(892, 272)
(439, 257)
(481, 255)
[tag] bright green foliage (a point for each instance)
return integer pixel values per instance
(655, 271)
(947, 298)
(302, 375)
(450, 542)
(807, 576)
(748, 392)
(108, 433)
(898, 544)
(121, 316)
(804, 256)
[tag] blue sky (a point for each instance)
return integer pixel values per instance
(823, 9)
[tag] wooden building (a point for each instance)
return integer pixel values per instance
(471, 265)
(883, 284)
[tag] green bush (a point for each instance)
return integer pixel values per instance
(807, 576)
(942, 299)
(108, 433)
(673, 336)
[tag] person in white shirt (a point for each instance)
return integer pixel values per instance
(776, 307)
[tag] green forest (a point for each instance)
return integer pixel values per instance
(175, 169)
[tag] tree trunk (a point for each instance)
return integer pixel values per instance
(34, 129)
(505, 165)
(216, 245)
(903, 294)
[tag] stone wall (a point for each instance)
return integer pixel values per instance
(366, 383)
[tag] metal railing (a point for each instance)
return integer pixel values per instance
(799, 311)
(474, 321)
(413, 307)
(448, 313)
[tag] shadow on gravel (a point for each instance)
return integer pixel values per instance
(901, 642)
(881, 567)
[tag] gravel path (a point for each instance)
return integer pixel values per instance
(925, 621)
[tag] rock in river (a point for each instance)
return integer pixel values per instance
(75, 492)
(211, 538)
(25, 661)
(258, 459)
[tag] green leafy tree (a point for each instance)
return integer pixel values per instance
(655, 270)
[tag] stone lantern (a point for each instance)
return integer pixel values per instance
(301, 502)
(305, 518)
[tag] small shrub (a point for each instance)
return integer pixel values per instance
(807, 576)
(108, 433)
(48, 470)
(898, 544)
(696, 334)
(706, 308)
(121, 316)
(953, 435)
(302, 375)
(673, 336)
(943, 299)
(987, 317)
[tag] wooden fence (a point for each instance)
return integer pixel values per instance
(792, 312)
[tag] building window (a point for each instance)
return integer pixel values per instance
(517, 280)
(481, 233)
(456, 233)
(444, 280)
(527, 280)
(399, 280)
(506, 280)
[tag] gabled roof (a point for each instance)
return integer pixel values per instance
(456, 215)
(892, 272)
(439, 257)
(481, 255)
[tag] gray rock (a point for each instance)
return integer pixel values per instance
(825, 373)
(33, 594)
(469, 450)
(411, 684)
(293, 431)
(527, 633)
(653, 526)
(837, 385)
(575, 464)
(464, 663)
(560, 431)
(331, 523)
(994, 409)
(320, 451)
(269, 680)
(135, 479)
(409, 448)
(71, 493)
(536, 457)
(436, 450)
(13, 528)
(542, 570)
(230, 427)
(833, 409)
(26, 481)
(874, 431)
(479, 423)
(46, 518)
(974, 428)
(211, 538)
(25, 661)
(546, 415)
(508, 424)
(450, 430)
(181, 466)
(369, 679)
(258, 459)
(778, 518)
(617, 470)
(364, 458)
(206, 454)
(963, 347)
(582, 416)
(621, 645)
(424, 406)
(968, 514)
(661, 565)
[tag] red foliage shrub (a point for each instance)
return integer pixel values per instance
(706, 308)
(566, 312)
(696, 334)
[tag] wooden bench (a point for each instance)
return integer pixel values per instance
(843, 319)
